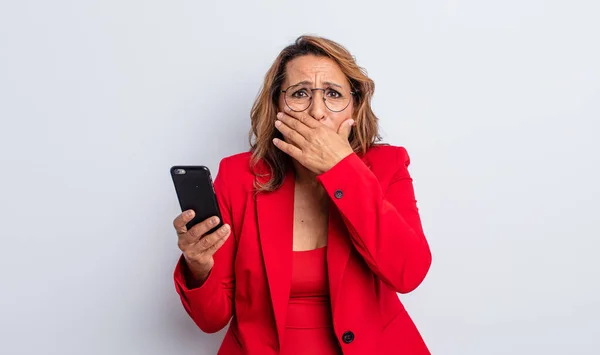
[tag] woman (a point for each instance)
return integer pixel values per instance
(321, 225)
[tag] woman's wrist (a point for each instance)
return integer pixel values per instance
(196, 274)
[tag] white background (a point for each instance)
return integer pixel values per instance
(496, 102)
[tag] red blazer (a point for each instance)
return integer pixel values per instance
(376, 248)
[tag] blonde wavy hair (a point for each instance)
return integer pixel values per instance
(364, 134)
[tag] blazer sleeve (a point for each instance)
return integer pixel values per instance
(211, 304)
(384, 225)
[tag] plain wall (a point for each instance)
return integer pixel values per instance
(496, 102)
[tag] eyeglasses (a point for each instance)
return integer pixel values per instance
(299, 97)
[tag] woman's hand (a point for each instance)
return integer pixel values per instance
(197, 250)
(315, 146)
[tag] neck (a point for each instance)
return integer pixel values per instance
(303, 175)
(306, 181)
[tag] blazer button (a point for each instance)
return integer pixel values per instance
(348, 337)
(338, 194)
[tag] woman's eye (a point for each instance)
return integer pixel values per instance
(300, 93)
(333, 94)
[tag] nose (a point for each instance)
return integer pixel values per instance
(317, 108)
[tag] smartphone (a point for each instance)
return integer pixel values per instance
(195, 191)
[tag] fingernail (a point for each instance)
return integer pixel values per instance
(213, 221)
(188, 213)
(351, 122)
(280, 114)
(277, 123)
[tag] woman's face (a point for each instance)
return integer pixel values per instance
(324, 73)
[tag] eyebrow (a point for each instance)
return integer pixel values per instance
(327, 83)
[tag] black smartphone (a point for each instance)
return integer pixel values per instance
(195, 191)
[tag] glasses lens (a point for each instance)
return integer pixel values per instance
(298, 97)
(336, 99)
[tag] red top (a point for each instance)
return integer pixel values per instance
(309, 327)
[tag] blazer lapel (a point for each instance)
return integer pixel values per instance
(338, 253)
(275, 213)
(338, 250)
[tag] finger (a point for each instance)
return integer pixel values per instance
(295, 124)
(345, 128)
(289, 132)
(181, 220)
(208, 241)
(289, 149)
(303, 117)
(200, 229)
(211, 251)
(196, 233)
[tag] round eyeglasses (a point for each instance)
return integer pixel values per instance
(299, 97)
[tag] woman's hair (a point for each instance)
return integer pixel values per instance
(263, 114)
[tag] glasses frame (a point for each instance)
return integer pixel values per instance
(352, 93)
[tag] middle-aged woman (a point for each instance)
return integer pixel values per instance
(321, 224)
